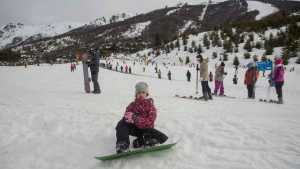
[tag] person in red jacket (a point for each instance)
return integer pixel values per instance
(251, 77)
(138, 121)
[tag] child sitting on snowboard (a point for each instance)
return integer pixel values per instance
(138, 121)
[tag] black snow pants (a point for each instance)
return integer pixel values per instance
(95, 80)
(205, 89)
(251, 91)
(278, 86)
(124, 129)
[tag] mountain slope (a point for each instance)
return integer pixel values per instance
(163, 26)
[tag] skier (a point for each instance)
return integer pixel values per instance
(169, 75)
(121, 68)
(126, 69)
(159, 74)
(204, 79)
(129, 70)
(25, 63)
(188, 75)
(278, 77)
(71, 67)
(250, 79)
(139, 121)
(219, 78)
(211, 77)
(94, 67)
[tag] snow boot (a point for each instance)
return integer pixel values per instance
(149, 141)
(210, 96)
(205, 96)
(122, 147)
(280, 100)
(138, 142)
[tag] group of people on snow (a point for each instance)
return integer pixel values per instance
(140, 115)
(276, 78)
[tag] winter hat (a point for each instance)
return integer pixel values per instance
(251, 65)
(278, 61)
(141, 87)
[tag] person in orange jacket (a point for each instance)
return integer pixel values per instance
(251, 77)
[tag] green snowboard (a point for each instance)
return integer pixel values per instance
(136, 152)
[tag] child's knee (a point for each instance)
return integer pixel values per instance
(120, 124)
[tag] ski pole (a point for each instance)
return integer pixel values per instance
(197, 81)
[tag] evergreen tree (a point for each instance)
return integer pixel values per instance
(258, 45)
(236, 61)
(177, 44)
(185, 48)
(298, 52)
(157, 41)
(206, 42)
(187, 60)
(248, 46)
(251, 37)
(194, 44)
(228, 46)
(269, 49)
(215, 55)
(225, 57)
(247, 55)
(172, 46)
(184, 39)
(199, 49)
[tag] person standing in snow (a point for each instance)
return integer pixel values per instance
(250, 79)
(159, 74)
(138, 121)
(94, 63)
(205, 78)
(129, 70)
(126, 68)
(219, 78)
(169, 75)
(278, 78)
(188, 75)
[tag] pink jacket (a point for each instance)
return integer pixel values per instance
(145, 112)
(279, 74)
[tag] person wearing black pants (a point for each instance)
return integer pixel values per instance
(251, 91)
(94, 67)
(125, 129)
(278, 87)
(206, 90)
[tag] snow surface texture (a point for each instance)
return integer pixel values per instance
(264, 9)
(173, 11)
(186, 26)
(48, 122)
(136, 30)
(26, 31)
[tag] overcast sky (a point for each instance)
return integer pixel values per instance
(49, 11)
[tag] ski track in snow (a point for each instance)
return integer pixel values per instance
(48, 122)
(264, 9)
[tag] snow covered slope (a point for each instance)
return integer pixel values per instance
(48, 122)
(15, 33)
(264, 9)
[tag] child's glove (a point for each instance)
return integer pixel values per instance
(130, 117)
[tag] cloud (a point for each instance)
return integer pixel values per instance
(48, 11)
